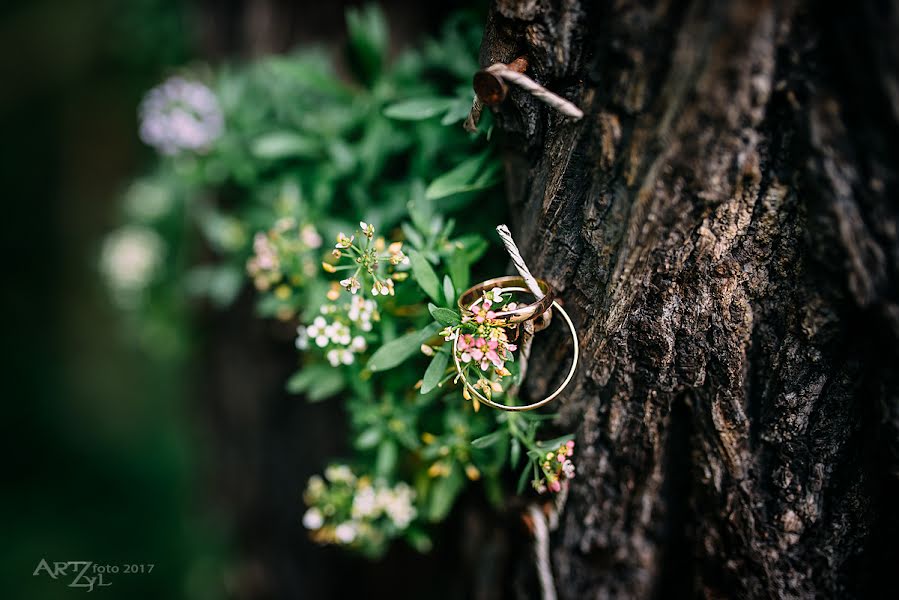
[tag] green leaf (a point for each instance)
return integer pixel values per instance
(220, 283)
(367, 33)
(317, 382)
(476, 173)
(388, 453)
(457, 112)
(283, 144)
(368, 438)
(555, 442)
(425, 276)
(397, 351)
(448, 290)
(412, 236)
(515, 452)
(488, 440)
(457, 265)
(444, 316)
(417, 109)
(419, 540)
(523, 479)
(472, 246)
(444, 492)
(435, 371)
(420, 210)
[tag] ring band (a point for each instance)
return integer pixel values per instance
(525, 407)
(509, 317)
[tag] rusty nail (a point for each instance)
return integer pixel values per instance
(490, 87)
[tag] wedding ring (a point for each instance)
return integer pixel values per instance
(473, 295)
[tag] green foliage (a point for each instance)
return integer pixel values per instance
(302, 157)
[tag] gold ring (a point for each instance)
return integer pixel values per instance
(549, 398)
(472, 296)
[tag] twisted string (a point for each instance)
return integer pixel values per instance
(529, 85)
(536, 90)
(541, 553)
(474, 115)
(512, 248)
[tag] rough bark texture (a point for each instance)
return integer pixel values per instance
(721, 225)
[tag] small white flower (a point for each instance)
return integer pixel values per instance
(358, 344)
(367, 230)
(339, 474)
(351, 284)
(364, 503)
(345, 533)
(399, 506)
(343, 241)
(302, 342)
(313, 519)
(316, 484)
(321, 341)
(333, 357)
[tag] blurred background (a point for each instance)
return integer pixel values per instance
(121, 457)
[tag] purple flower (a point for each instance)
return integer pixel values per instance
(180, 115)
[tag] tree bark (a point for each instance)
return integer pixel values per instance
(721, 227)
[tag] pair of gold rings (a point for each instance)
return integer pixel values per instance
(473, 296)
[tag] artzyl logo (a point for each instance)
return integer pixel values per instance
(87, 574)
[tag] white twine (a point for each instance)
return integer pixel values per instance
(527, 334)
(517, 260)
(536, 90)
(541, 553)
(529, 85)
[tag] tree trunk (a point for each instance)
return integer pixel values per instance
(719, 226)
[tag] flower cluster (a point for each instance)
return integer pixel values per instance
(483, 346)
(486, 351)
(357, 511)
(341, 337)
(283, 255)
(180, 115)
(556, 469)
(373, 262)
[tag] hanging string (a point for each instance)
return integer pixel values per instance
(541, 553)
(474, 115)
(515, 254)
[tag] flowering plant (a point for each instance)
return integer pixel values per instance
(295, 151)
